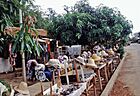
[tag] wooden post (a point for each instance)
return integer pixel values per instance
(82, 73)
(66, 71)
(51, 91)
(106, 76)
(59, 84)
(94, 86)
(41, 88)
(76, 71)
(23, 67)
(99, 78)
(53, 78)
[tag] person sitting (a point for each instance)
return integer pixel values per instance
(31, 69)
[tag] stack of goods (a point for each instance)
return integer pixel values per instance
(103, 53)
(55, 63)
(111, 52)
(91, 63)
(95, 57)
(70, 89)
(80, 60)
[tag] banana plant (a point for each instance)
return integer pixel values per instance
(24, 42)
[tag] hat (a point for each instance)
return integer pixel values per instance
(111, 52)
(104, 53)
(115, 49)
(53, 62)
(80, 60)
(89, 54)
(65, 57)
(84, 54)
(22, 88)
(95, 57)
(91, 63)
(97, 48)
(40, 67)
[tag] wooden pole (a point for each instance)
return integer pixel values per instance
(53, 78)
(41, 88)
(66, 71)
(76, 71)
(23, 67)
(82, 73)
(59, 84)
(51, 91)
(22, 53)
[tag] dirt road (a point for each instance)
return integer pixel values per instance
(130, 72)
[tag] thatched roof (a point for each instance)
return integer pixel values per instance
(14, 30)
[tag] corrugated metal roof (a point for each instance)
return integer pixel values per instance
(14, 30)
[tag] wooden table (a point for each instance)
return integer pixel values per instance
(84, 88)
(90, 81)
(77, 92)
(98, 72)
(109, 67)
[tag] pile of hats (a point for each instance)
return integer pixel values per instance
(104, 53)
(95, 57)
(110, 51)
(91, 62)
(55, 63)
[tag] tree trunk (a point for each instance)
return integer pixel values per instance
(23, 67)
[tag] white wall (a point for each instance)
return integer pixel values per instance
(5, 65)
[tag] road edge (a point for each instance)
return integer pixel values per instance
(113, 78)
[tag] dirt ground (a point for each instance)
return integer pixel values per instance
(120, 89)
(13, 78)
(127, 83)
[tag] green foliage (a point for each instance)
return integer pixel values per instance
(25, 43)
(85, 25)
(70, 28)
(23, 40)
(121, 51)
(5, 38)
(35, 10)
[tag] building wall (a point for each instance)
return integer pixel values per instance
(5, 65)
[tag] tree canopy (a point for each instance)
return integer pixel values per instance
(85, 25)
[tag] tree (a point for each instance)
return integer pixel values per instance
(23, 41)
(85, 25)
(35, 10)
(8, 11)
(71, 28)
(109, 24)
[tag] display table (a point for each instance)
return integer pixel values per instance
(77, 92)
(47, 92)
(98, 72)
(83, 87)
(109, 66)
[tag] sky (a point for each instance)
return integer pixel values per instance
(129, 8)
